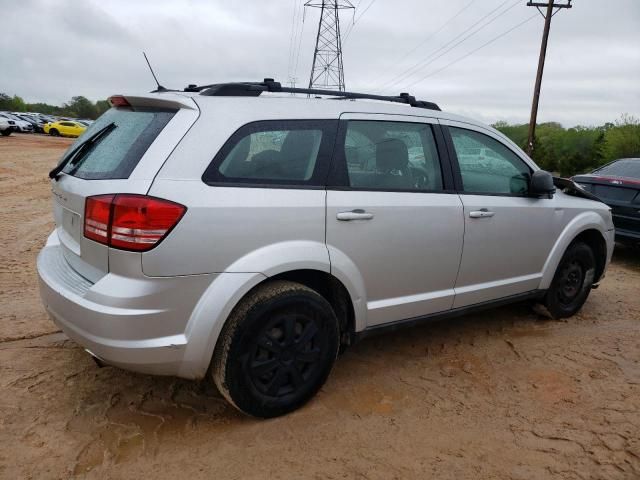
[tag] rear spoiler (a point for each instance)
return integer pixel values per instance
(167, 100)
(570, 187)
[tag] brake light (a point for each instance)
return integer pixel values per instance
(130, 222)
(97, 214)
(119, 101)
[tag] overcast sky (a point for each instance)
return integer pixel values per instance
(51, 50)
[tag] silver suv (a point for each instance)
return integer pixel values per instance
(238, 232)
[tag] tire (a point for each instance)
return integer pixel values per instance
(7, 132)
(262, 364)
(572, 281)
(54, 132)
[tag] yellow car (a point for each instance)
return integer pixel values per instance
(64, 128)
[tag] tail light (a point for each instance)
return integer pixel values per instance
(130, 222)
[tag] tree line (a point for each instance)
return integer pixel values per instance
(77, 107)
(569, 151)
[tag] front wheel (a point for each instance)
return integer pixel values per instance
(276, 350)
(7, 132)
(54, 132)
(572, 281)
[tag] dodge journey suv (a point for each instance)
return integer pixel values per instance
(241, 233)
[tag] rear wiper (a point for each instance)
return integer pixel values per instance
(77, 154)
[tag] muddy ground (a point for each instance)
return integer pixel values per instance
(502, 394)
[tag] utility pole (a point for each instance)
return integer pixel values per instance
(550, 5)
(327, 71)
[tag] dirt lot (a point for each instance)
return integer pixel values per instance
(503, 394)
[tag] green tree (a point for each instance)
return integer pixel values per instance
(101, 107)
(623, 139)
(12, 104)
(79, 107)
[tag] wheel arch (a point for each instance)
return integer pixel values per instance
(300, 261)
(587, 227)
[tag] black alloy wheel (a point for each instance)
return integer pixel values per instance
(276, 349)
(572, 281)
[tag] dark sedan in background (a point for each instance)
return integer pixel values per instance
(618, 185)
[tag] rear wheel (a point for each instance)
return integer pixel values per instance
(276, 350)
(572, 281)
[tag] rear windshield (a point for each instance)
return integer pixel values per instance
(622, 168)
(118, 152)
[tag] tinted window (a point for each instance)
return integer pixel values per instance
(118, 152)
(391, 155)
(275, 152)
(487, 166)
(622, 168)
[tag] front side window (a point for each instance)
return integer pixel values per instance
(391, 156)
(275, 152)
(487, 166)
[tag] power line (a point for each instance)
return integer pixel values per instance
(420, 64)
(430, 36)
(295, 70)
(356, 20)
(473, 51)
(291, 44)
(448, 47)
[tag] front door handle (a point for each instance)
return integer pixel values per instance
(482, 213)
(357, 214)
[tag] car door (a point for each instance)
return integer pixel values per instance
(65, 128)
(508, 234)
(394, 221)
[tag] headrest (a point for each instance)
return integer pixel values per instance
(391, 154)
(298, 143)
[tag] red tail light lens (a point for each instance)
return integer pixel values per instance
(97, 214)
(130, 222)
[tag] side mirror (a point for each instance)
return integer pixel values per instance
(541, 185)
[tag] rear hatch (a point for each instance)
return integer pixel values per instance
(142, 134)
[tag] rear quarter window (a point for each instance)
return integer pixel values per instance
(116, 155)
(275, 152)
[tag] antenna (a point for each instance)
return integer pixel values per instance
(160, 87)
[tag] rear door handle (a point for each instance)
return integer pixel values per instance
(482, 213)
(357, 214)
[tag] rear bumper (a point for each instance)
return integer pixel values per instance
(137, 323)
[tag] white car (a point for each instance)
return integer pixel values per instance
(236, 232)
(20, 125)
(6, 126)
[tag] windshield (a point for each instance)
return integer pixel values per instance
(120, 150)
(628, 167)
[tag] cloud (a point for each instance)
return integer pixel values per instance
(93, 48)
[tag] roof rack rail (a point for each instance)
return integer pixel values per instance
(254, 89)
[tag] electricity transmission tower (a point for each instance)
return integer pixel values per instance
(550, 6)
(327, 70)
